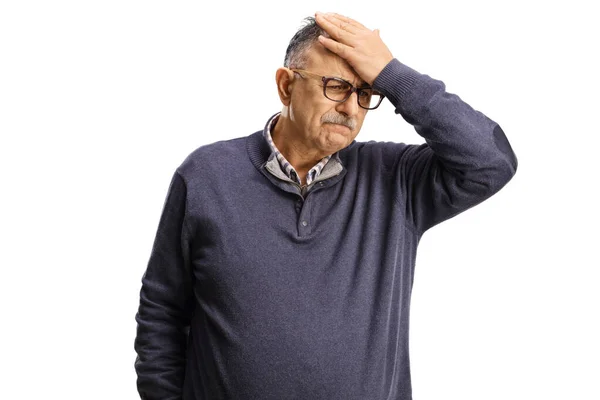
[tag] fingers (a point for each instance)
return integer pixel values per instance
(334, 17)
(337, 30)
(338, 48)
(336, 27)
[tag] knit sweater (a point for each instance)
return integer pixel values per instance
(253, 291)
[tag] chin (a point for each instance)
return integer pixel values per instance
(336, 137)
(336, 143)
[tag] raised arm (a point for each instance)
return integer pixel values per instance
(466, 158)
(166, 303)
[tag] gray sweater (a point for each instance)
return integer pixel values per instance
(253, 291)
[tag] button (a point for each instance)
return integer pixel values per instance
(304, 223)
(321, 183)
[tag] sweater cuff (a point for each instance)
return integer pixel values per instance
(396, 81)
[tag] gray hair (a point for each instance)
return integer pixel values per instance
(295, 55)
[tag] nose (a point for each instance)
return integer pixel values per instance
(349, 107)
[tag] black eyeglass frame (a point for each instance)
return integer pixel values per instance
(326, 79)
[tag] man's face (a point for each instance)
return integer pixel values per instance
(323, 124)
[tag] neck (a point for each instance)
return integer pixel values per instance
(289, 142)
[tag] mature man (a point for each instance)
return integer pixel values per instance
(283, 263)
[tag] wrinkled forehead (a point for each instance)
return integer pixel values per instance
(321, 60)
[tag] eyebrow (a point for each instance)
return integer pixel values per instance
(361, 84)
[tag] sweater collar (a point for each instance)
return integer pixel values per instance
(258, 148)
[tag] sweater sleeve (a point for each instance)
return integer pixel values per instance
(165, 304)
(465, 160)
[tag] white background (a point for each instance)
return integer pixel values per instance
(101, 101)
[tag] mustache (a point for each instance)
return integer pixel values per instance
(339, 119)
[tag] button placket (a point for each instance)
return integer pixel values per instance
(304, 226)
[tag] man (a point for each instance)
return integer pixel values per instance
(283, 262)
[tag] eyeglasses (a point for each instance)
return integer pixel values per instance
(340, 90)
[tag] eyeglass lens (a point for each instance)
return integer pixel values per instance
(338, 90)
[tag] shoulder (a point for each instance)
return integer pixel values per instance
(217, 156)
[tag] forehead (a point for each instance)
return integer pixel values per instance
(322, 61)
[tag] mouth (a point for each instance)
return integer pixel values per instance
(338, 127)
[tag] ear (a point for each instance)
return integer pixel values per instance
(284, 77)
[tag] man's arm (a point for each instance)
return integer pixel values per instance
(467, 157)
(166, 303)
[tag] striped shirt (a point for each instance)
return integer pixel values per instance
(286, 167)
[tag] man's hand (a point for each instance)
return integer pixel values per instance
(362, 48)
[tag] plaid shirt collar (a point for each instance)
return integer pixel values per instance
(286, 167)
